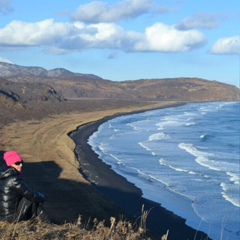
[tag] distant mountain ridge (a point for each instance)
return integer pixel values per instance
(29, 85)
(9, 70)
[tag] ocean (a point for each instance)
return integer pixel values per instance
(186, 158)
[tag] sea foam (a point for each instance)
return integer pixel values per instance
(184, 158)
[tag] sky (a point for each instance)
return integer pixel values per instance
(125, 39)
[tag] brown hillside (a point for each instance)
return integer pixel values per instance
(179, 89)
(27, 86)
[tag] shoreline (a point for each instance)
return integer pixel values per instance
(125, 194)
(51, 167)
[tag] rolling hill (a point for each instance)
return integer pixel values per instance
(25, 86)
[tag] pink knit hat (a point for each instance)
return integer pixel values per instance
(11, 158)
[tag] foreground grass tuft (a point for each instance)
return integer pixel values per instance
(121, 230)
(117, 230)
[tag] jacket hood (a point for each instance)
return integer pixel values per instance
(6, 171)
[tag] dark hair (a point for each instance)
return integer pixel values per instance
(1, 157)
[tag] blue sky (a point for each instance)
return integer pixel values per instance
(125, 39)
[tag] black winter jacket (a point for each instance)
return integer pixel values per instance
(13, 189)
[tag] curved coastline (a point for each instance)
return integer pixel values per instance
(125, 194)
(51, 168)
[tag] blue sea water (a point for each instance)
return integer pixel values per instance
(186, 158)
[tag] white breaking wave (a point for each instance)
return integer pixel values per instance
(112, 137)
(158, 136)
(201, 157)
(204, 136)
(110, 126)
(234, 177)
(228, 194)
(205, 162)
(169, 122)
(194, 160)
(133, 126)
(144, 146)
(193, 150)
(165, 163)
(228, 189)
(147, 148)
(101, 148)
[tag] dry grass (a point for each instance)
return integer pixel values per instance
(40, 230)
(121, 230)
(37, 229)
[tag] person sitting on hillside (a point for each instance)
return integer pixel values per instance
(18, 201)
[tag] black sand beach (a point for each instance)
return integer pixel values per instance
(50, 167)
(125, 194)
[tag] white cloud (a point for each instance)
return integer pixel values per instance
(33, 34)
(65, 36)
(163, 38)
(230, 46)
(59, 38)
(95, 12)
(200, 20)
